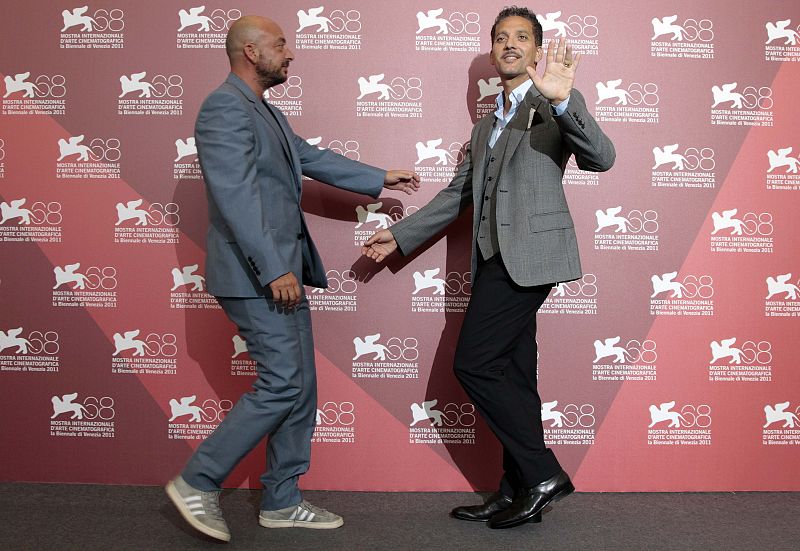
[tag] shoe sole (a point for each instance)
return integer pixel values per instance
(457, 517)
(187, 515)
(537, 516)
(266, 523)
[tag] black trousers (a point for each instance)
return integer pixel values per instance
(495, 362)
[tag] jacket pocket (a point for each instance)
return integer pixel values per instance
(550, 221)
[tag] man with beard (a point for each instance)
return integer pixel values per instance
(523, 242)
(259, 255)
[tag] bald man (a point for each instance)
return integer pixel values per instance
(260, 254)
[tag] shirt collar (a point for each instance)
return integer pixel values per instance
(517, 95)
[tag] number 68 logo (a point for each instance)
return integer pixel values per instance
(336, 413)
(43, 342)
(90, 408)
(291, 89)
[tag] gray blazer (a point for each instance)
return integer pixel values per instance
(535, 229)
(252, 165)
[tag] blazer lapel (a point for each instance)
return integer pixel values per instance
(291, 152)
(528, 115)
(479, 153)
(273, 121)
(267, 112)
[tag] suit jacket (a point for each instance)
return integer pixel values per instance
(252, 165)
(534, 226)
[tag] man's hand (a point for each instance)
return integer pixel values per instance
(406, 181)
(559, 72)
(286, 291)
(379, 246)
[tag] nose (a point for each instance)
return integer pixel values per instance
(289, 54)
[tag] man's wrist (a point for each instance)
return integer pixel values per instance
(559, 106)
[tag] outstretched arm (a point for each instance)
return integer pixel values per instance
(412, 231)
(337, 170)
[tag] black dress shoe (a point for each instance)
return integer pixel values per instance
(528, 505)
(496, 503)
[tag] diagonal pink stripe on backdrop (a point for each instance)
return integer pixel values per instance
(736, 452)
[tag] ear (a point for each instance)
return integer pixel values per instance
(539, 53)
(250, 52)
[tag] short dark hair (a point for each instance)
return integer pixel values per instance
(516, 11)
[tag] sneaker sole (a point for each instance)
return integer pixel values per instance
(187, 515)
(266, 523)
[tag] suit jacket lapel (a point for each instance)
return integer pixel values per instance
(272, 120)
(528, 115)
(264, 109)
(479, 152)
(268, 112)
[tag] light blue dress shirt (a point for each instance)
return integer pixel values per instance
(517, 95)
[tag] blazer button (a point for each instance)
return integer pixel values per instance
(485, 197)
(491, 159)
(300, 236)
(483, 218)
(489, 179)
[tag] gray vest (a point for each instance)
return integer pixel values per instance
(488, 243)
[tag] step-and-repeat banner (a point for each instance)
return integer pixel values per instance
(671, 365)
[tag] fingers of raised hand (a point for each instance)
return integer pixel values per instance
(551, 51)
(575, 62)
(562, 55)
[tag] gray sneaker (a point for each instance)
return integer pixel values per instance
(303, 515)
(200, 509)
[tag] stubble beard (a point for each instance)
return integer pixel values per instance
(269, 77)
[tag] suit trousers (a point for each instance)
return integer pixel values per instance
(495, 362)
(282, 404)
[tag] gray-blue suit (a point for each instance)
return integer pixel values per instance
(253, 164)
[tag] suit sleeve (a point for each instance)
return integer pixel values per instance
(337, 170)
(412, 231)
(225, 139)
(592, 149)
